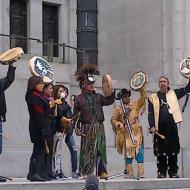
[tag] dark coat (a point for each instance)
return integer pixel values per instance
(40, 116)
(62, 110)
(82, 105)
(4, 84)
(167, 126)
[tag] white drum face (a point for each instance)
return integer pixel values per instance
(40, 67)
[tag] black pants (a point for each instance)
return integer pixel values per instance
(38, 149)
(39, 158)
(167, 163)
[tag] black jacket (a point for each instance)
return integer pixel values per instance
(63, 110)
(40, 116)
(4, 84)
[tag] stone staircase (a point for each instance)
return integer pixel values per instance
(113, 184)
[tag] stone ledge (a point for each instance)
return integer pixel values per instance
(114, 184)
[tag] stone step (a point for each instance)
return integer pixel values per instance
(113, 184)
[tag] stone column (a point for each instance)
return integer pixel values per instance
(64, 27)
(35, 22)
(5, 16)
(72, 32)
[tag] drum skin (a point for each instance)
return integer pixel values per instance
(139, 80)
(11, 55)
(184, 67)
(40, 67)
(107, 87)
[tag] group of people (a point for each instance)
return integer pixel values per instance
(53, 119)
(163, 116)
(47, 108)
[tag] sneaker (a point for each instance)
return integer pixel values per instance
(74, 175)
(61, 176)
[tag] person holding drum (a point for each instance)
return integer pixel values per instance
(90, 123)
(128, 130)
(39, 123)
(39, 106)
(163, 116)
(4, 84)
(9, 58)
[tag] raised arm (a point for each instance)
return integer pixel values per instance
(8, 80)
(106, 101)
(182, 91)
(141, 101)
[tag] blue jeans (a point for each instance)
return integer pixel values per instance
(69, 140)
(1, 131)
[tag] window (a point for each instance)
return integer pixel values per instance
(50, 27)
(18, 22)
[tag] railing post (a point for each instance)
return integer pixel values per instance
(51, 50)
(12, 41)
(63, 52)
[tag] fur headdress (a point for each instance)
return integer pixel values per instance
(123, 92)
(85, 74)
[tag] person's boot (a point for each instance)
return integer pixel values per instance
(129, 171)
(173, 174)
(161, 174)
(103, 175)
(49, 166)
(33, 175)
(42, 167)
(140, 170)
(101, 169)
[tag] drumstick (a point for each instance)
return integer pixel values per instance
(46, 147)
(161, 136)
(77, 115)
(5, 136)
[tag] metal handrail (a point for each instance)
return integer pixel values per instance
(49, 43)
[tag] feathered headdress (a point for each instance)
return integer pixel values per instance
(85, 73)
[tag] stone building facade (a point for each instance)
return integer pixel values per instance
(133, 35)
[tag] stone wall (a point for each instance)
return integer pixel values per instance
(148, 35)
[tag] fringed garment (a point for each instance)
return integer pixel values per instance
(93, 145)
(124, 143)
(93, 148)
